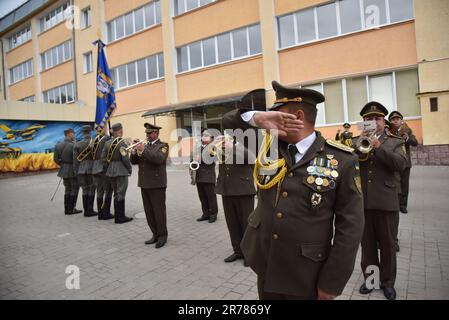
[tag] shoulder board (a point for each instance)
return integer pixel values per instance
(339, 145)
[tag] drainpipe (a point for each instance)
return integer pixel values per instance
(3, 70)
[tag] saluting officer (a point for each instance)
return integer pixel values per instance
(101, 182)
(379, 169)
(400, 128)
(303, 236)
(152, 181)
(63, 156)
(205, 179)
(118, 170)
(82, 163)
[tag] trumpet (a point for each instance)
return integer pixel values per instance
(216, 148)
(364, 144)
(124, 150)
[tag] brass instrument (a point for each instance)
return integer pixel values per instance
(216, 148)
(404, 128)
(193, 166)
(365, 143)
(124, 150)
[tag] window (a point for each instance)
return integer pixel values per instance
(134, 21)
(381, 90)
(356, 96)
(338, 18)
(55, 16)
(182, 6)
(406, 90)
(327, 21)
(21, 71)
(334, 101)
(20, 37)
(401, 10)
(60, 95)
(350, 16)
(139, 71)
(321, 117)
(236, 44)
(86, 18)
(433, 104)
(56, 55)
(87, 58)
(28, 99)
(305, 21)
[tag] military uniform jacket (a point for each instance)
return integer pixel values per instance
(411, 141)
(119, 166)
(63, 156)
(152, 165)
(97, 150)
(379, 174)
(293, 243)
(206, 171)
(236, 179)
(84, 166)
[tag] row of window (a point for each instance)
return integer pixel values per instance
(134, 21)
(346, 97)
(182, 6)
(62, 94)
(228, 46)
(55, 16)
(29, 99)
(21, 71)
(20, 37)
(56, 55)
(340, 17)
(139, 71)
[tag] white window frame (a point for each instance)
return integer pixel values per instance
(21, 71)
(86, 56)
(86, 22)
(50, 19)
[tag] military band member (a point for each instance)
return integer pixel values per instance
(205, 179)
(303, 236)
(236, 187)
(152, 180)
(63, 156)
(379, 169)
(82, 163)
(118, 170)
(345, 136)
(400, 128)
(101, 182)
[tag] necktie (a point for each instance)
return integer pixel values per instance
(293, 151)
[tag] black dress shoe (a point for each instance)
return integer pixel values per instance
(151, 241)
(233, 257)
(75, 211)
(202, 218)
(245, 263)
(364, 290)
(123, 220)
(107, 216)
(403, 209)
(389, 293)
(213, 218)
(160, 243)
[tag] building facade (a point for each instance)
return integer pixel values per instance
(174, 61)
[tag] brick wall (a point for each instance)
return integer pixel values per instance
(430, 155)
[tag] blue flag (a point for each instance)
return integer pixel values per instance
(106, 103)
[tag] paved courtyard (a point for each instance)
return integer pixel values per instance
(38, 242)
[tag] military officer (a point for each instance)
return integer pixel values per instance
(152, 180)
(303, 236)
(401, 129)
(346, 136)
(237, 190)
(379, 169)
(82, 163)
(205, 179)
(63, 156)
(118, 170)
(101, 183)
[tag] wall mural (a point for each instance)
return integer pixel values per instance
(28, 145)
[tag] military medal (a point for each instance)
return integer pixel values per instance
(334, 162)
(325, 182)
(330, 156)
(318, 181)
(320, 169)
(332, 184)
(327, 172)
(310, 179)
(334, 174)
(310, 169)
(315, 199)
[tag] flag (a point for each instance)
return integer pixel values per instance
(106, 103)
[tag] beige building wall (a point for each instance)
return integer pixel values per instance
(432, 42)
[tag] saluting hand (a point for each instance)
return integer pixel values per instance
(283, 122)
